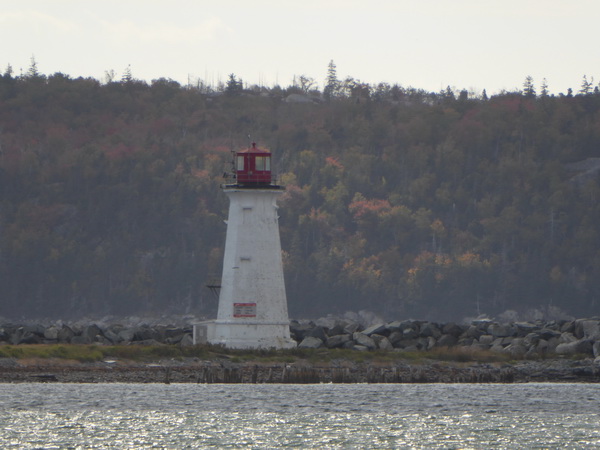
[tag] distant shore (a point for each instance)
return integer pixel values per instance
(198, 371)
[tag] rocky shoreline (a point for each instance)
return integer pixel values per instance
(557, 351)
(527, 340)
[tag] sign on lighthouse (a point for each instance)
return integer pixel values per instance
(252, 310)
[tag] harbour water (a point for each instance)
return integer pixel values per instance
(541, 415)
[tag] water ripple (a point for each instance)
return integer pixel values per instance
(327, 416)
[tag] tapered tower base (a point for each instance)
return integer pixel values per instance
(246, 336)
(252, 303)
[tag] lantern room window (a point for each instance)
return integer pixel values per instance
(262, 163)
(240, 163)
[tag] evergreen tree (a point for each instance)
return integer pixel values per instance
(544, 91)
(233, 86)
(586, 86)
(8, 71)
(33, 71)
(332, 83)
(528, 87)
(127, 77)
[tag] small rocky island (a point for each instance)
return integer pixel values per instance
(330, 349)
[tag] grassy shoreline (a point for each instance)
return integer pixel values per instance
(95, 353)
(73, 363)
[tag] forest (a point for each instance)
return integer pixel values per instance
(411, 204)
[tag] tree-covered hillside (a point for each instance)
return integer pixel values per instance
(407, 203)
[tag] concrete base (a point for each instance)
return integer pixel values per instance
(244, 335)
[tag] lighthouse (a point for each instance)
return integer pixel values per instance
(252, 310)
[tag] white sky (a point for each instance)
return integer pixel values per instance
(428, 44)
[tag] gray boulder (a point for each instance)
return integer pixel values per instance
(582, 346)
(447, 340)
(310, 342)
(548, 333)
(531, 339)
(173, 335)
(486, 339)
(474, 332)
(111, 336)
(36, 329)
(497, 348)
(429, 342)
(318, 332)
(410, 333)
(482, 325)
(385, 344)
(30, 338)
(430, 330)
(568, 327)
(541, 347)
(406, 343)
(328, 322)
(80, 340)
(566, 338)
(467, 341)
(65, 334)
(92, 332)
(187, 340)
(524, 328)
(502, 341)
(349, 345)
(395, 337)
(589, 329)
(171, 332)
(300, 330)
(337, 341)
(502, 330)
(338, 328)
(51, 333)
(363, 339)
(379, 328)
(351, 327)
(516, 350)
(394, 326)
(452, 329)
(127, 334)
(145, 333)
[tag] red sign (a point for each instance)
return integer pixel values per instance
(244, 310)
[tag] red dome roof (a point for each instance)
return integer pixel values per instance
(254, 149)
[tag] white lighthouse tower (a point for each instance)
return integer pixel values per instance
(252, 309)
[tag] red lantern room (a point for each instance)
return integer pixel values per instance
(253, 166)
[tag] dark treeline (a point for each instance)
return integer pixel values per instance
(400, 201)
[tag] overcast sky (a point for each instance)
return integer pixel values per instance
(428, 44)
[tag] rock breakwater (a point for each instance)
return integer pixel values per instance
(538, 351)
(520, 340)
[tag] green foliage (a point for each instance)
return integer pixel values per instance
(154, 353)
(401, 201)
(81, 353)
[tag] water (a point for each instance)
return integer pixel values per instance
(308, 416)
